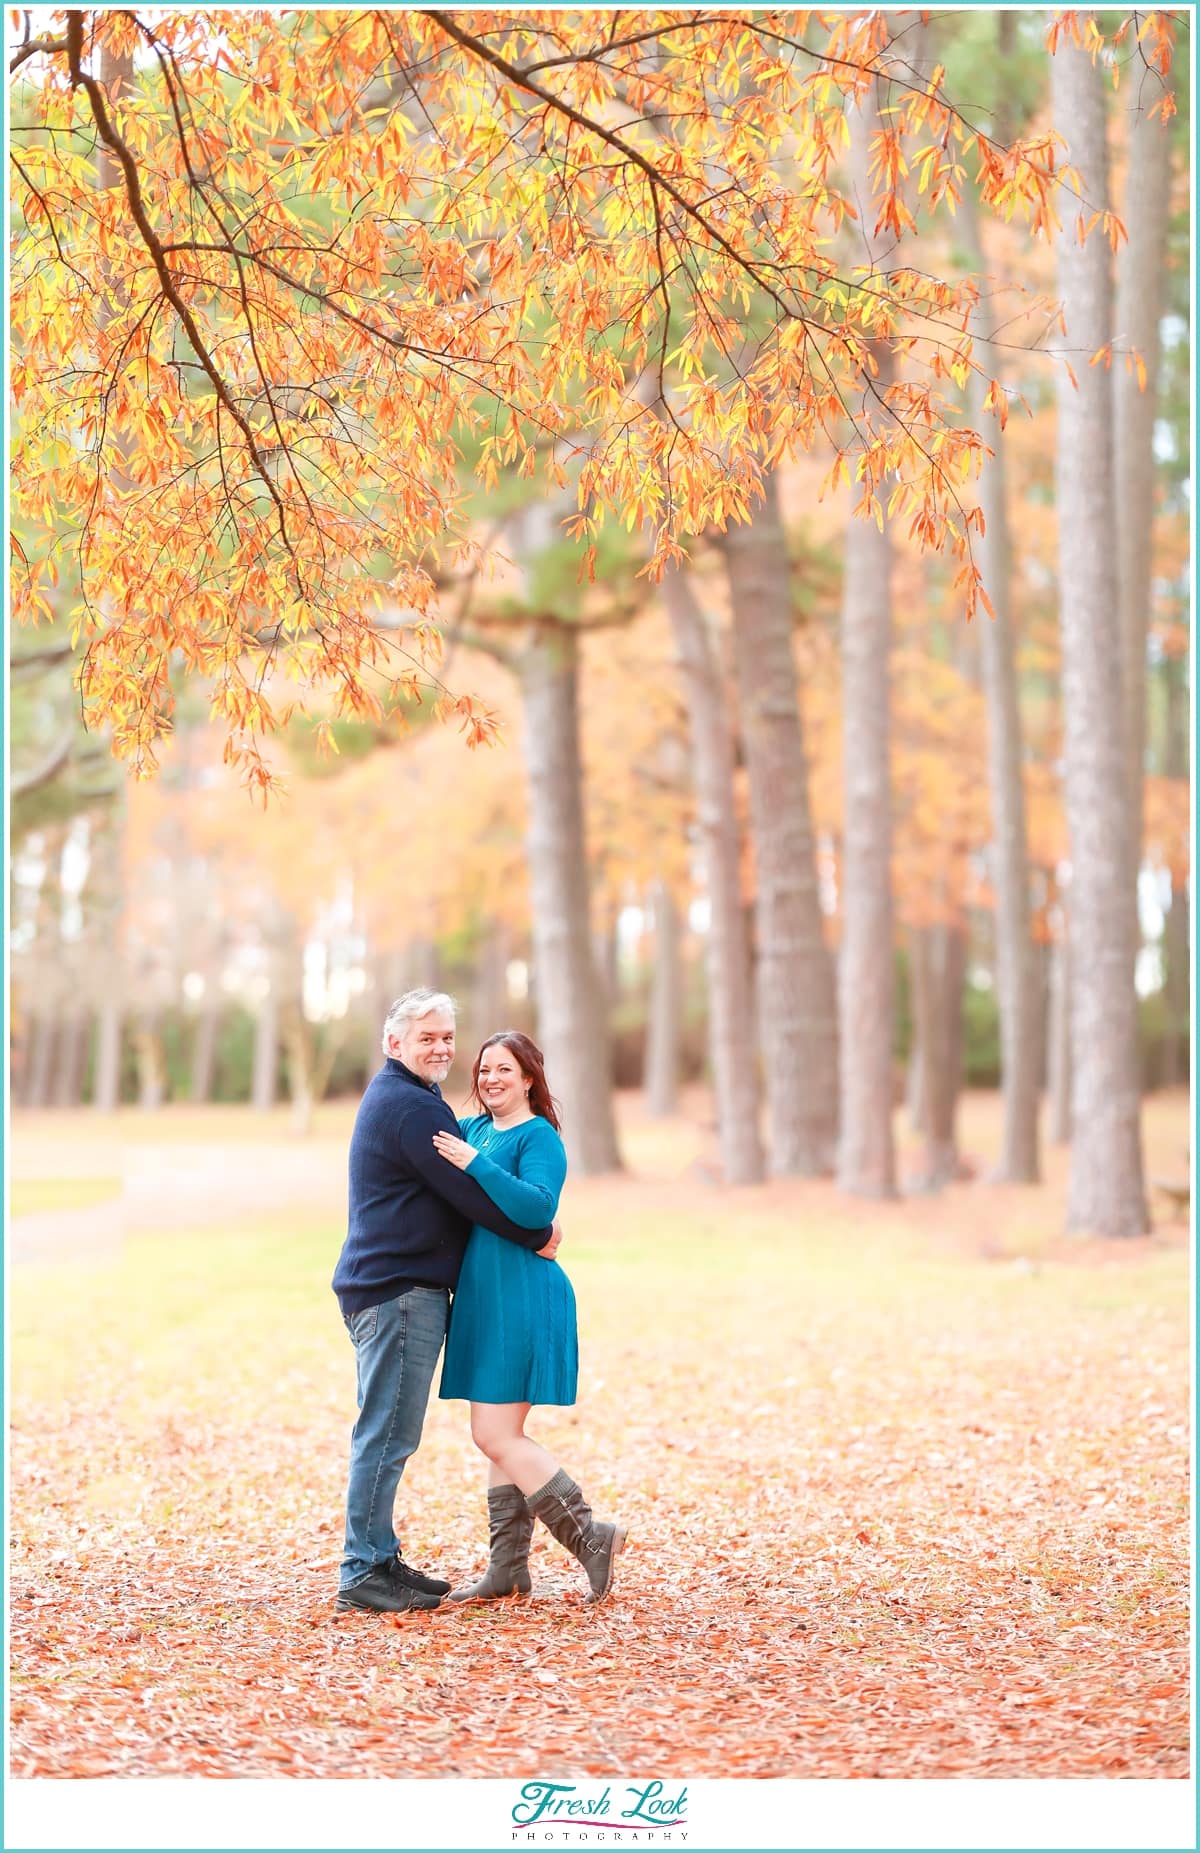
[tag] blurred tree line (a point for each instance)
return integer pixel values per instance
(784, 822)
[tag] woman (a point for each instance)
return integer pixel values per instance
(512, 1338)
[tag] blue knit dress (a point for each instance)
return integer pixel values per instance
(512, 1336)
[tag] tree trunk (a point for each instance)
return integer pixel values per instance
(298, 1055)
(914, 1078)
(866, 1162)
(106, 1084)
(1177, 961)
(1106, 1193)
(730, 987)
(1176, 947)
(41, 1060)
(866, 1155)
(953, 968)
(606, 952)
(424, 966)
(572, 1024)
(204, 1053)
(1017, 984)
(489, 1004)
(1139, 312)
(794, 971)
(151, 1064)
(1058, 1061)
(324, 1060)
(664, 1026)
(266, 1052)
(387, 983)
(939, 964)
(72, 1056)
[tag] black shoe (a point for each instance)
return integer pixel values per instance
(416, 1579)
(383, 1591)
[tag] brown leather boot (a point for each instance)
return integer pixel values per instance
(564, 1511)
(510, 1529)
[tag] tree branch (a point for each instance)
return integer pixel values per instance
(26, 782)
(133, 192)
(32, 48)
(33, 663)
(515, 75)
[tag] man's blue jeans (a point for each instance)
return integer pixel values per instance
(396, 1347)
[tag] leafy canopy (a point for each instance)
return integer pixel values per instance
(276, 272)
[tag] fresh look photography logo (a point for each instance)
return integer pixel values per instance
(621, 1813)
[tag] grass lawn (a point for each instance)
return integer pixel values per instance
(29, 1196)
(907, 1490)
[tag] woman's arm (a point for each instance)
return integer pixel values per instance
(462, 1193)
(529, 1199)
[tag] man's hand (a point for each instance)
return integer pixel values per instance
(551, 1249)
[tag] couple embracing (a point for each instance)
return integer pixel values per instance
(438, 1207)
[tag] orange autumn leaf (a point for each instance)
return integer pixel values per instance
(321, 276)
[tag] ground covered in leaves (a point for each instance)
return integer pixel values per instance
(906, 1485)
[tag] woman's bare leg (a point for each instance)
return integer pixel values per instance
(498, 1430)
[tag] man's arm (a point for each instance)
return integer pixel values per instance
(459, 1190)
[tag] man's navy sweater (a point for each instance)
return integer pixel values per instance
(411, 1210)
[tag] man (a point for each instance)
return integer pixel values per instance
(411, 1212)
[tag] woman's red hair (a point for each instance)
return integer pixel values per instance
(531, 1062)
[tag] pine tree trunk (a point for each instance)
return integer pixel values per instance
(1058, 1058)
(914, 1080)
(794, 972)
(72, 1055)
(1176, 936)
(1140, 295)
(866, 1161)
(266, 1052)
(151, 1063)
(1017, 985)
(204, 1053)
(732, 1042)
(939, 964)
(372, 1029)
(866, 1156)
(664, 1026)
(489, 1004)
(324, 1059)
(572, 1024)
(298, 1054)
(106, 1085)
(606, 952)
(1177, 960)
(1106, 1193)
(1045, 979)
(388, 972)
(41, 1060)
(424, 966)
(920, 1007)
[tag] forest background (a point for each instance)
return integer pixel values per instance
(171, 943)
(834, 842)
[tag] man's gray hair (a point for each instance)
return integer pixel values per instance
(412, 1006)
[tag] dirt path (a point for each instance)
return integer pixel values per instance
(178, 1184)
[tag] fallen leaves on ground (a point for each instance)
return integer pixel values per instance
(895, 1510)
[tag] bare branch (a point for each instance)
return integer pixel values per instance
(33, 663)
(26, 782)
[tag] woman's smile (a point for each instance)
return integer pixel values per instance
(502, 1086)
